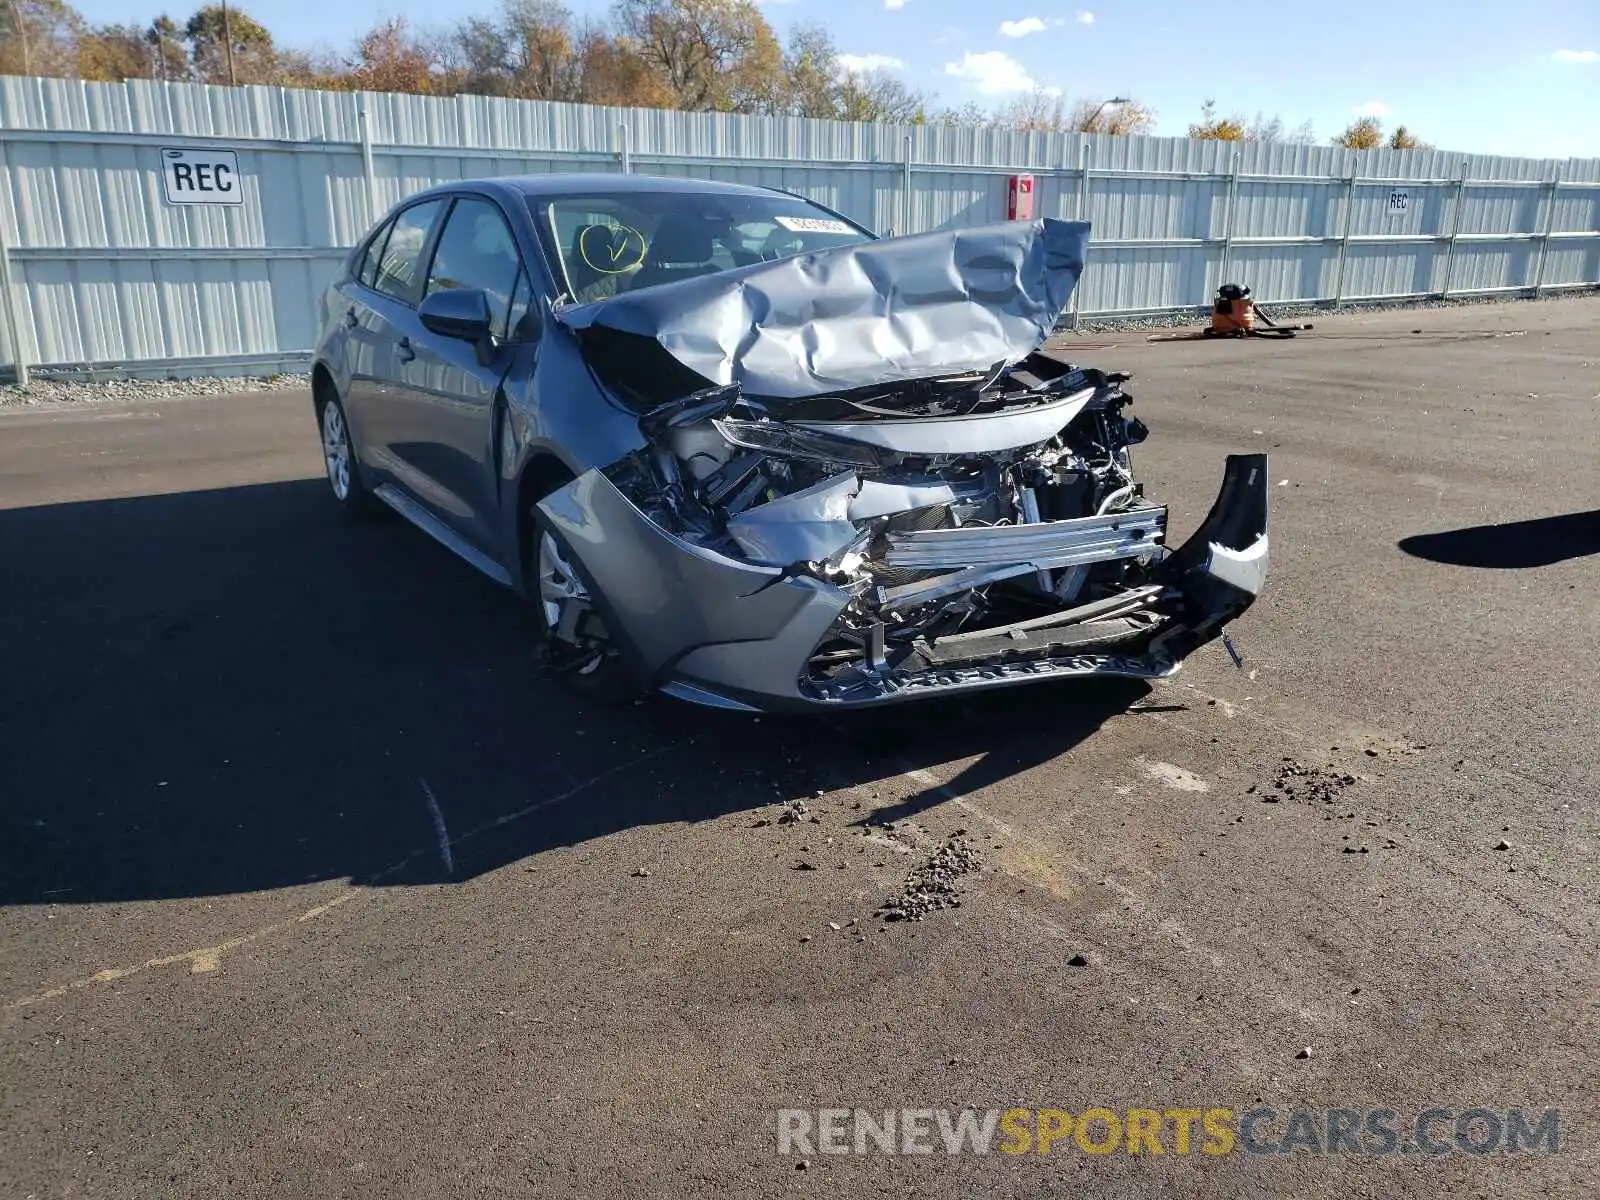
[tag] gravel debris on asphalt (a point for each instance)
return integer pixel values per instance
(935, 884)
(1295, 780)
(55, 391)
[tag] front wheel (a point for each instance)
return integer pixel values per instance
(576, 645)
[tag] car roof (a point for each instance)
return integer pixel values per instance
(588, 183)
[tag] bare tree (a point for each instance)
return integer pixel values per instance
(168, 57)
(811, 72)
(877, 96)
(1038, 111)
(1096, 116)
(540, 45)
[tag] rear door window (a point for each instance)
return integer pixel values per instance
(477, 250)
(400, 262)
(370, 253)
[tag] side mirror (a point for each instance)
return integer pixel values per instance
(457, 313)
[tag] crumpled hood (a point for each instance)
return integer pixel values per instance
(880, 312)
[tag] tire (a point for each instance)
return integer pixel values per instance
(339, 461)
(594, 669)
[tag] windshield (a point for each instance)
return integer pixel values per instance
(618, 241)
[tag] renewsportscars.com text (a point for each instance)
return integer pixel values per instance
(1178, 1131)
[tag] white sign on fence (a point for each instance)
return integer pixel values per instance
(1399, 200)
(201, 177)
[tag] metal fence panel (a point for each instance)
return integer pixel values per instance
(97, 269)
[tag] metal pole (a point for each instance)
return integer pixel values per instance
(905, 185)
(227, 37)
(1344, 238)
(1549, 228)
(366, 158)
(1227, 217)
(1455, 229)
(1082, 215)
(625, 146)
(19, 360)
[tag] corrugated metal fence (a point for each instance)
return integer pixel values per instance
(100, 272)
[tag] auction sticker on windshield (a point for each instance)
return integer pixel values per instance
(814, 225)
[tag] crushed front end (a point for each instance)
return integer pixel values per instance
(879, 544)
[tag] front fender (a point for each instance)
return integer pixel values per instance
(663, 598)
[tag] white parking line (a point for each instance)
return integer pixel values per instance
(209, 958)
(439, 829)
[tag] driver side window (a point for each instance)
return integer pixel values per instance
(477, 250)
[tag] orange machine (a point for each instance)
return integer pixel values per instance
(1234, 315)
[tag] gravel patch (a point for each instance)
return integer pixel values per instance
(936, 883)
(1296, 780)
(51, 391)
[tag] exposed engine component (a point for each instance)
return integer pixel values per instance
(955, 534)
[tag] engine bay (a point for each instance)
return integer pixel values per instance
(970, 517)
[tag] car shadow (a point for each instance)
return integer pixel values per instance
(236, 690)
(1512, 546)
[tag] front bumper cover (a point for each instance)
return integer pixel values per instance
(721, 632)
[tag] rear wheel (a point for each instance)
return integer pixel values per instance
(576, 645)
(339, 459)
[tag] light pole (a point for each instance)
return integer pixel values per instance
(1104, 104)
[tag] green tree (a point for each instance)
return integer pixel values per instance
(388, 58)
(112, 53)
(38, 37)
(711, 54)
(213, 31)
(1403, 139)
(1365, 134)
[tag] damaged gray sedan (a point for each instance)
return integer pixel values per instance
(736, 449)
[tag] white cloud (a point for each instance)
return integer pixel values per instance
(1372, 108)
(1084, 17)
(993, 73)
(1576, 56)
(891, 5)
(1022, 28)
(949, 34)
(861, 64)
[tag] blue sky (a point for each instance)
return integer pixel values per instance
(1473, 75)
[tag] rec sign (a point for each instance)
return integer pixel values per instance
(201, 177)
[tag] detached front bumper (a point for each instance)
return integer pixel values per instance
(721, 632)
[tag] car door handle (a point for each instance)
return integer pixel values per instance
(350, 318)
(405, 350)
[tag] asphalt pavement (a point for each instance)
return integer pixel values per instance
(314, 884)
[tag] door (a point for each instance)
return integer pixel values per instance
(385, 331)
(451, 386)
(367, 358)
